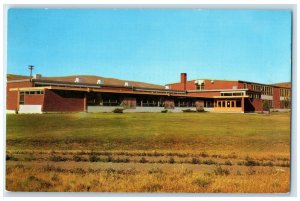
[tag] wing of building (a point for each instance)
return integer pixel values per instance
(98, 94)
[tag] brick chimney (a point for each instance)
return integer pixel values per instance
(183, 77)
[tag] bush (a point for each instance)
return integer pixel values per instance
(250, 162)
(200, 110)
(220, 171)
(155, 170)
(188, 110)
(171, 160)
(228, 163)
(143, 160)
(164, 111)
(209, 162)
(266, 105)
(58, 158)
(204, 154)
(202, 182)
(195, 161)
(11, 158)
(77, 158)
(118, 110)
(93, 158)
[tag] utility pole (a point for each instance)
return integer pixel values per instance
(30, 67)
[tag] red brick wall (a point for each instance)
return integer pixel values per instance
(30, 99)
(208, 85)
(257, 103)
(276, 97)
(63, 101)
(219, 84)
(12, 96)
(206, 94)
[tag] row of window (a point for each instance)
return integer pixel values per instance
(149, 103)
(285, 104)
(254, 95)
(185, 104)
(285, 92)
(231, 103)
(232, 94)
(265, 90)
(32, 92)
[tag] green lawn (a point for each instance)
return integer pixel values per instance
(209, 132)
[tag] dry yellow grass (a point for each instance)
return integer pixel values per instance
(226, 153)
(176, 179)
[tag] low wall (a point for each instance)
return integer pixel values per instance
(208, 109)
(101, 108)
(10, 111)
(280, 110)
(30, 109)
(137, 109)
(179, 109)
(145, 109)
(228, 110)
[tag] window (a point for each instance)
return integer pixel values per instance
(228, 103)
(111, 102)
(21, 100)
(202, 86)
(238, 103)
(223, 103)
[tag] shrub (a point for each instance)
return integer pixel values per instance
(200, 110)
(269, 163)
(251, 162)
(121, 160)
(209, 162)
(11, 158)
(228, 163)
(195, 161)
(188, 110)
(109, 159)
(164, 111)
(171, 160)
(220, 171)
(58, 158)
(203, 182)
(143, 160)
(266, 105)
(78, 171)
(118, 110)
(203, 154)
(77, 158)
(155, 170)
(93, 158)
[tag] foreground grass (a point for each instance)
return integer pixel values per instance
(253, 148)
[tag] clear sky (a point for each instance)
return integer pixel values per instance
(152, 46)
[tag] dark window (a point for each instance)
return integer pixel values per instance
(238, 103)
(21, 100)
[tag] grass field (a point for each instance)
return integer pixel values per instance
(148, 152)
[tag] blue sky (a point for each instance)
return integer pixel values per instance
(152, 46)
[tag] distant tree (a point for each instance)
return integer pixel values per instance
(287, 102)
(266, 106)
